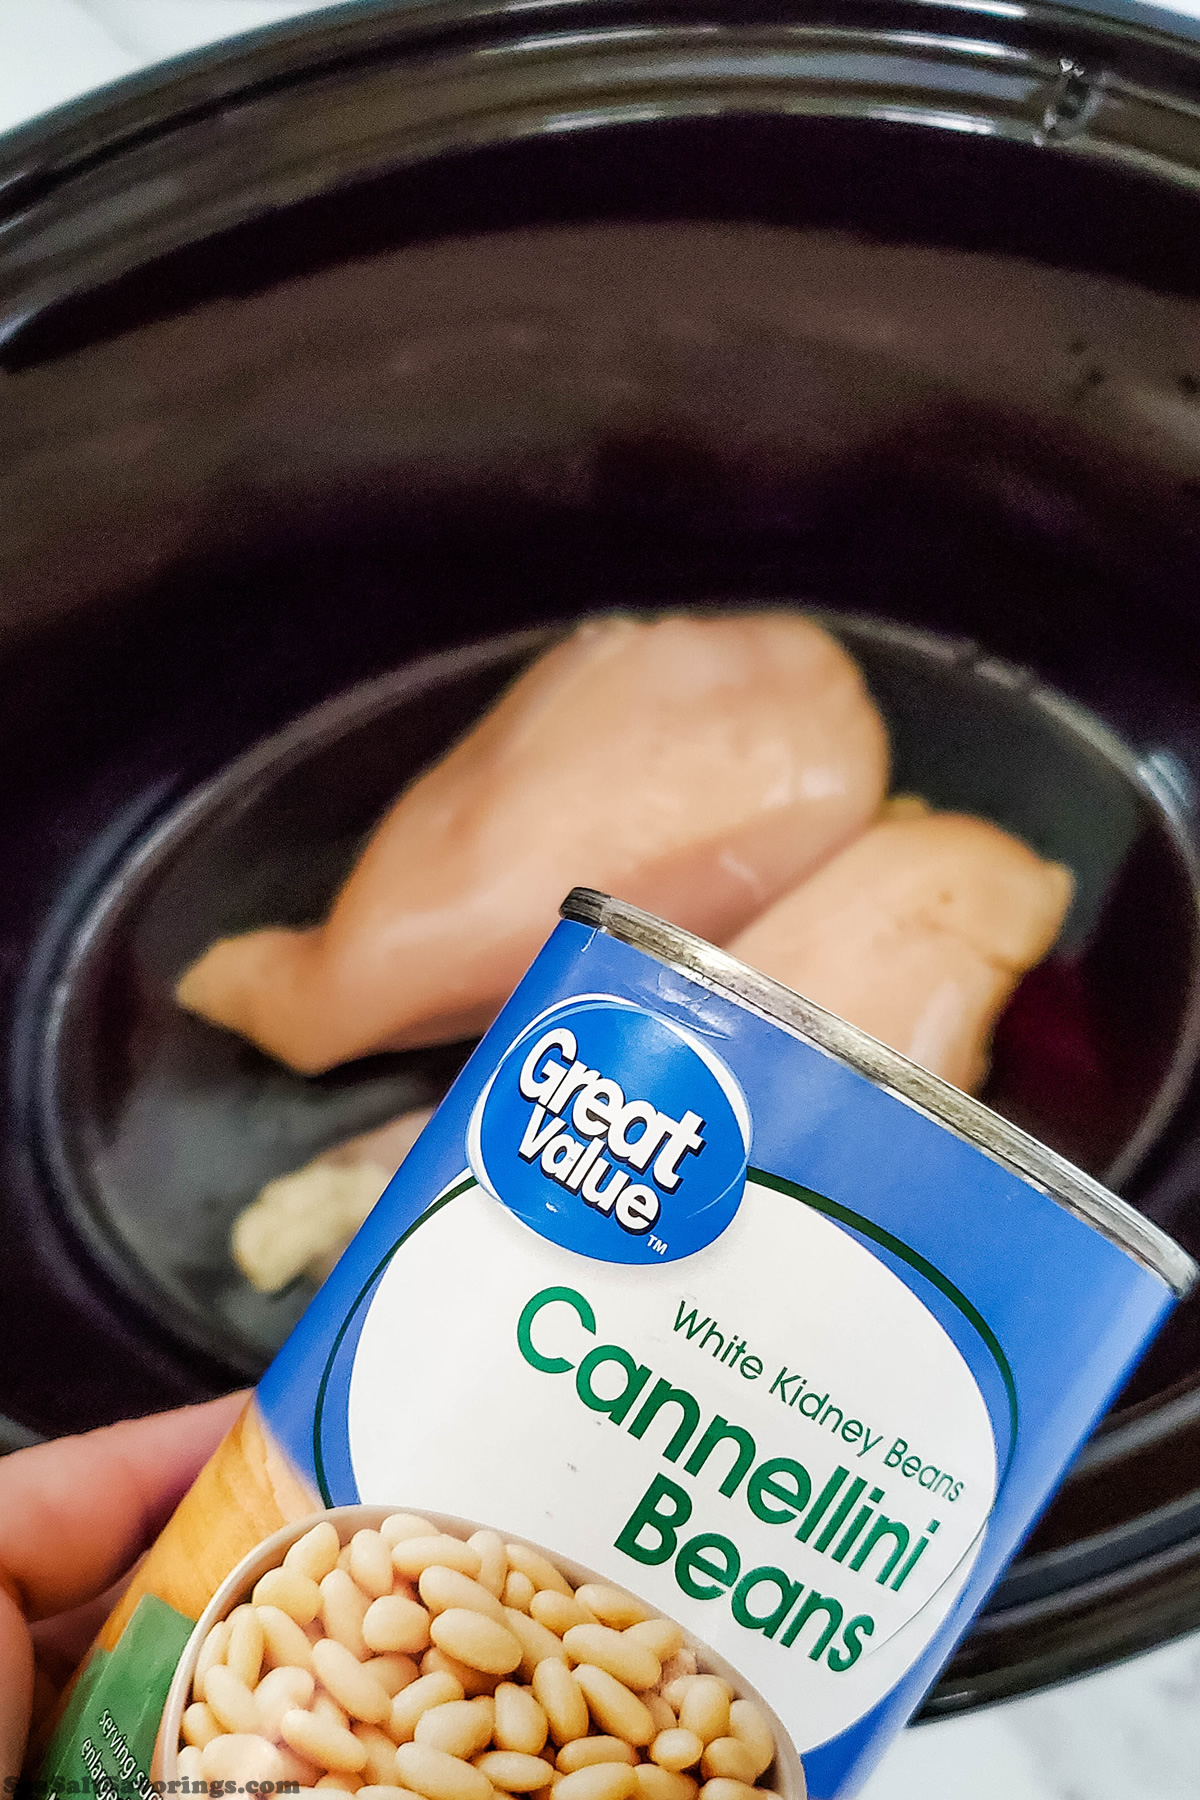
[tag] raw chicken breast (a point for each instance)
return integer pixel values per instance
(301, 1223)
(697, 767)
(918, 932)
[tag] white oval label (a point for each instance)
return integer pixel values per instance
(772, 1441)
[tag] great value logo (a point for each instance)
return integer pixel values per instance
(613, 1132)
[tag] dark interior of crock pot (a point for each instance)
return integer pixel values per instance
(723, 359)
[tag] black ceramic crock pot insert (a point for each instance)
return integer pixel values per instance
(296, 387)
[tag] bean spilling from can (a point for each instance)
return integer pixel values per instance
(413, 1664)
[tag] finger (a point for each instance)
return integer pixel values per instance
(59, 1643)
(74, 1514)
(16, 1688)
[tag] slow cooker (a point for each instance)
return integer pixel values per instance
(412, 326)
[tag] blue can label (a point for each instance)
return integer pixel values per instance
(694, 1309)
(697, 1309)
(725, 1439)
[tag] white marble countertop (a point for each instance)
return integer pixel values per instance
(1130, 1733)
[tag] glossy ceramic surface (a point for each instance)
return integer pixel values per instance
(412, 326)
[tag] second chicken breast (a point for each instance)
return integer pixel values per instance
(918, 932)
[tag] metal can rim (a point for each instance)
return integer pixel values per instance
(1083, 1196)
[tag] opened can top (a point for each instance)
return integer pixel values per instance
(1088, 1199)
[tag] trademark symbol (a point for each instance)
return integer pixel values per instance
(657, 1245)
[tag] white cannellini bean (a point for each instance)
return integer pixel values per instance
(472, 1638)
(412, 1701)
(300, 1770)
(395, 1623)
(663, 1784)
(459, 1728)
(212, 1650)
(612, 1605)
(440, 1777)
(631, 1663)
(662, 1636)
(343, 1609)
(297, 1768)
(246, 1644)
(441, 1588)
(722, 1788)
(240, 1756)
(318, 1738)
(293, 1593)
(519, 1591)
(540, 1570)
(230, 1701)
(514, 1772)
(277, 1693)
(704, 1707)
(584, 1751)
(614, 1708)
(677, 1749)
(286, 1644)
(371, 1563)
(190, 1764)
(728, 1756)
(400, 1525)
(750, 1725)
(412, 1556)
(662, 1714)
(326, 1707)
(316, 1553)
(380, 1765)
(557, 1613)
(199, 1725)
(350, 1682)
(521, 1722)
(341, 1783)
(392, 1672)
(473, 1682)
(561, 1697)
(598, 1781)
(493, 1560)
(537, 1643)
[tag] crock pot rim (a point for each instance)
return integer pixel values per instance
(57, 145)
(46, 156)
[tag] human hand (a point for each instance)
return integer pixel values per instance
(75, 1515)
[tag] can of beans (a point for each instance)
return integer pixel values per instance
(658, 1436)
